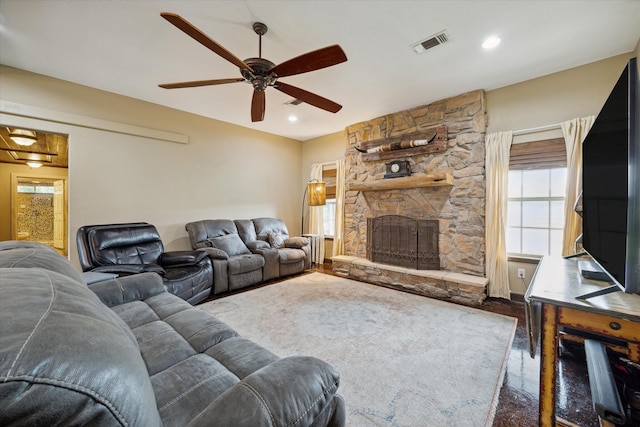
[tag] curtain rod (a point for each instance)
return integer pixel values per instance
(536, 129)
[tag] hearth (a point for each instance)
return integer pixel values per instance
(403, 241)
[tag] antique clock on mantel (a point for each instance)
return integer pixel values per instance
(397, 168)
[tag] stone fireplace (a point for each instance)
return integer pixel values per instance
(446, 187)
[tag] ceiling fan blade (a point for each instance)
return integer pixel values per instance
(203, 39)
(257, 106)
(197, 83)
(308, 97)
(311, 61)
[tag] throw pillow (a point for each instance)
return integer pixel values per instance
(232, 244)
(276, 239)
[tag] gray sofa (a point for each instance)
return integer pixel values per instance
(126, 352)
(249, 251)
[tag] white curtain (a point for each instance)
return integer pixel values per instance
(497, 170)
(316, 219)
(574, 132)
(338, 233)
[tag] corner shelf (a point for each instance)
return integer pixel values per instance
(413, 181)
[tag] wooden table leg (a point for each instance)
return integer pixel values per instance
(634, 351)
(548, 360)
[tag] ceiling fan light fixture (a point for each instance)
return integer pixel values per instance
(34, 164)
(23, 137)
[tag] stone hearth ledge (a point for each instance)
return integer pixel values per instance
(455, 287)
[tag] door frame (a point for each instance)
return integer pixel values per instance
(35, 175)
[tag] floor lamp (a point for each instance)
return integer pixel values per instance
(316, 193)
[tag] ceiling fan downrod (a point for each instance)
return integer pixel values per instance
(260, 29)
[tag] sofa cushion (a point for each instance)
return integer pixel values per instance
(246, 230)
(289, 255)
(65, 356)
(200, 231)
(132, 244)
(231, 244)
(14, 253)
(264, 226)
(245, 263)
(276, 239)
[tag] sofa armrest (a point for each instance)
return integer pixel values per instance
(126, 289)
(257, 244)
(290, 391)
(128, 269)
(296, 242)
(215, 253)
(182, 258)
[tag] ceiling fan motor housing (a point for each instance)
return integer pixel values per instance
(260, 78)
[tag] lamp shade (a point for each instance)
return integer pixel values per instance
(317, 193)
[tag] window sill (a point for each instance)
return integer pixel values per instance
(523, 259)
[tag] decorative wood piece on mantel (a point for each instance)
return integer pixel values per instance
(439, 144)
(439, 179)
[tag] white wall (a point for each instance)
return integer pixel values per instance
(225, 171)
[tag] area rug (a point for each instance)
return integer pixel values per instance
(403, 359)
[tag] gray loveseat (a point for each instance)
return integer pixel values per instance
(126, 352)
(246, 252)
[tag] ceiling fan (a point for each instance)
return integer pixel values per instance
(262, 73)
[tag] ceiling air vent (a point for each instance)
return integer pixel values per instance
(429, 42)
(294, 102)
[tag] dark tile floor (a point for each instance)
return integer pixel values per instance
(518, 403)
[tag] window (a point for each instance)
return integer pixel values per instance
(535, 218)
(37, 189)
(329, 216)
(329, 209)
(535, 209)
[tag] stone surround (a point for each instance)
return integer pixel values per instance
(458, 202)
(460, 208)
(455, 287)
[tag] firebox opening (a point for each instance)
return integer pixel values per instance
(403, 241)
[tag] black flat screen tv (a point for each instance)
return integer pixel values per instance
(611, 187)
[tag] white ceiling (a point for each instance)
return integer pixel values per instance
(125, 47)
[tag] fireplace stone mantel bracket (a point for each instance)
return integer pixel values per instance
(441, 179)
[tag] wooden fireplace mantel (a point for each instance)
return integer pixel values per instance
(442, 179)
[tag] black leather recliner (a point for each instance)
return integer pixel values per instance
(132, 248)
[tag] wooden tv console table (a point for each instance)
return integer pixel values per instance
(551, 304)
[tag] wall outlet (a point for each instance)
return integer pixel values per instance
(521, 273)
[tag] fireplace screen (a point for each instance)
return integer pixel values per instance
(402, 241)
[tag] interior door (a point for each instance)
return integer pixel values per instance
(37, 222)
(59, 217)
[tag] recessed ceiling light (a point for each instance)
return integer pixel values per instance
(293, 118)
(491, 42)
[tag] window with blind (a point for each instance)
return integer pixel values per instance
(535, 211)
(329, 210)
